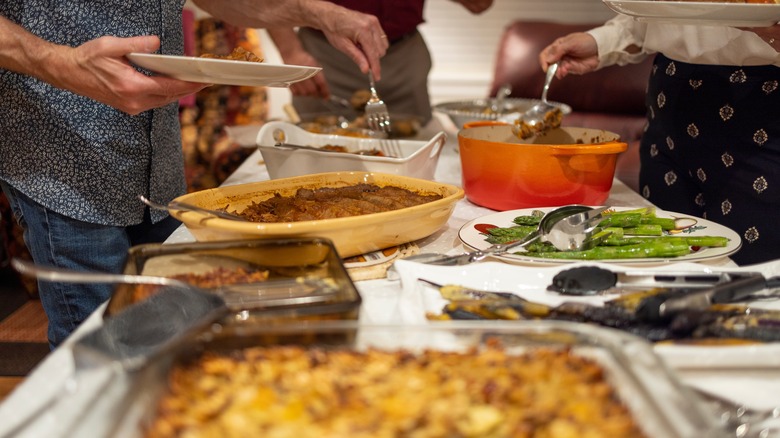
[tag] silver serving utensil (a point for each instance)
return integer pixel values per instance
(183, 206)
(235, 297)
(743, 421)
(377, 116)
(570, 227)
(542, 116)
(128, 340)
(383, 146)
(497, 105)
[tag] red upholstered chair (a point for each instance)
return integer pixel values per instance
(611, 98)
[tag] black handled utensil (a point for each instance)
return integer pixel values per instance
(660, 308)
(592, 280)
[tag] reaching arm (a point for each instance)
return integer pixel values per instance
(96, 69)
(292, 51)
(356, 34)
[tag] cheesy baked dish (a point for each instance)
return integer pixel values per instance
(291, 391)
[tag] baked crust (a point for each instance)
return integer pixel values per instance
(291, 391)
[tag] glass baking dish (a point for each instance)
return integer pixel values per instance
(657, 401)
(306, 277)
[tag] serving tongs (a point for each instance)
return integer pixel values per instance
(568, 228)
(594, 280)
(183, 206)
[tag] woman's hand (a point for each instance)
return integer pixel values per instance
(575, 53)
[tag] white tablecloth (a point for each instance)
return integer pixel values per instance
(759, 387)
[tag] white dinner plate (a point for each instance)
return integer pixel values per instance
(223, 71)
(530, 282)
(471, 236)
(701, 13)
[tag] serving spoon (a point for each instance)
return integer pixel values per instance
(568, 228)
(541, 117)
(183, 206)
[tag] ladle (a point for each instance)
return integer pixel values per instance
(541, 117)
(568, 228)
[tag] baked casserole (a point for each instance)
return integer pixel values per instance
(293, 391)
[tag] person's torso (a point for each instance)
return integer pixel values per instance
(398, 17)
(61, 148)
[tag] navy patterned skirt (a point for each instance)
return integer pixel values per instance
(712, 149)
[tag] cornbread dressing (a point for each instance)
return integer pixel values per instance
(290, 391)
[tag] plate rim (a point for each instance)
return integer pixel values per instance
(715, 13)
(302, 72)
(515, 259)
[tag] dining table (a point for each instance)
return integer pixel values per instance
(49, 403)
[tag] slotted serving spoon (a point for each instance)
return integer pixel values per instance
(541, 117)
(568, 228)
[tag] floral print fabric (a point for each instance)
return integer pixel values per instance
(712, 149)
(74, 155)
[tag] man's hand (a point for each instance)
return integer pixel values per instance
(358, 35)
(293, 53)
(476, 6)
(316, 86)
(98, 69)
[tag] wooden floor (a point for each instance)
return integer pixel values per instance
(23, 338)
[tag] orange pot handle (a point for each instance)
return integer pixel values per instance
(478, 123)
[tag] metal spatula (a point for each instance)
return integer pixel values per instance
(128, 340)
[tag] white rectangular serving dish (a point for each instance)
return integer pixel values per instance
(414, 158)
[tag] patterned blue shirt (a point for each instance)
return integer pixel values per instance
(76, 156)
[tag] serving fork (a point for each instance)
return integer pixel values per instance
(377, 116)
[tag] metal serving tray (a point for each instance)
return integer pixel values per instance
(660, 405)
(307, 278)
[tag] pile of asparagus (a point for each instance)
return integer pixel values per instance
(628, 234)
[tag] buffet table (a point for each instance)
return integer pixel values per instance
(756, 385)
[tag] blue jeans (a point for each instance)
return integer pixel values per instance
(62, 242)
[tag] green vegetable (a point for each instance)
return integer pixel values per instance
(634, 233)
(644, 230)
(527, 220)
(650, 248)
(510, 234)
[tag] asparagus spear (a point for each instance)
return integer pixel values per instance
(656, 248)
(510, 234)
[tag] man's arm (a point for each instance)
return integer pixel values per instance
(356, 34)
(97, 69)
(292, 52)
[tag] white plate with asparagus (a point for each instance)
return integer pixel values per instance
(634, 235)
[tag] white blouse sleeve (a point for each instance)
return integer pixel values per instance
(616, 36)
(713, 45)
